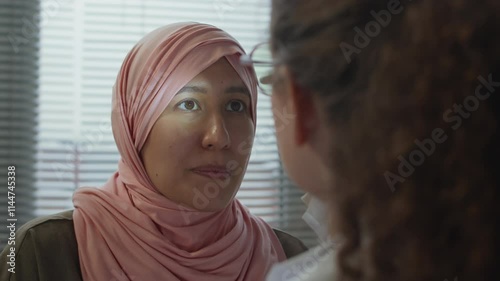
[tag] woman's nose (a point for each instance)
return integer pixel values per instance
(216, 134)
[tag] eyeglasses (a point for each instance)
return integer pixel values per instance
(261, 59)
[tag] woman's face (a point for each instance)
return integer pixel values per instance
(302, 134)
(198, 149)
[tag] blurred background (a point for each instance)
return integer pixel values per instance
(58, 63)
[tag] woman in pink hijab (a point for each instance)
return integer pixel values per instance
(184, 112)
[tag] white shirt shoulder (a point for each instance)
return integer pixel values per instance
(317, 264)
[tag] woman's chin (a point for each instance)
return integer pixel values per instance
(212, 197)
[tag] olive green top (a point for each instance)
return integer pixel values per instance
(46, 250)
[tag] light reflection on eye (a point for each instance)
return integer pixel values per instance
(236, 106)
(188, 105)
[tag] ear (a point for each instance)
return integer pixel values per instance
(306, 116)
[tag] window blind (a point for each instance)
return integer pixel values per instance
(19, 41)
(82, 45)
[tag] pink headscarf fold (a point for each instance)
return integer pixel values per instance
(127, 230)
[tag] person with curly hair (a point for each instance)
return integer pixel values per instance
(399, 101)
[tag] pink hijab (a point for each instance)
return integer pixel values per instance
(127, 230)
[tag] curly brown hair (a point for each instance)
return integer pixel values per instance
(410, 90)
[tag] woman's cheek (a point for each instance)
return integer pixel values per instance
(242, 133)
(187, 127)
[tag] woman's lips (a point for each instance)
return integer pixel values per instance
(212, 172)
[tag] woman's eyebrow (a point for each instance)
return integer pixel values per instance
(229, 90)
(192, 89)
(237, 90)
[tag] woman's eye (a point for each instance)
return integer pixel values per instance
(188, 105)
(236, 105)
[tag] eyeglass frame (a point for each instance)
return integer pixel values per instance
(247, 60)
